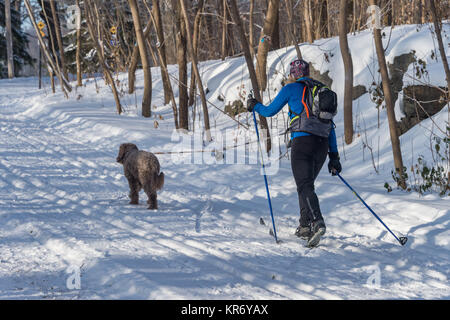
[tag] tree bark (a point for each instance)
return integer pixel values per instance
(251, 69)
(308, 21)
(9, 43)
(59, 39)
(166, 73)
(348, 69)
(424, 12)
(293, 29)
(143, 52)
(183, 111)
(64, 84)
(265, 42)
(135, 60)
(17, 5)
(275, 37)
(97, 44)
(395, 141)
(251, 28)
(196, 72)
(329, 29)
(437, 30)
(197, 21)
(418, 11)
(78, 50)
(224, 31)
(162, 49)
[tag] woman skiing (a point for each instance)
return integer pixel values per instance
(311, 139)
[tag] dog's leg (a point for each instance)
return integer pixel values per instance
(151, 194)
(134, 189)
(152, 201)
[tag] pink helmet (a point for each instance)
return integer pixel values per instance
(299, 68)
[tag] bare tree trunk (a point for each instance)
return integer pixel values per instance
(64, 84)
(97, 43)
(132, 69)
(135, 60)
(251, 69)
(166, 73)
(143, 52)
(424, 12)
(353, 26)
(395, 141)
(265, 42)
(52, 34)
(275, 37)
(196, 72)
(319, 18)
(59, 39)
(183, 114)
(9, 43)
(224, 31)
(162, 48)
(402, 12)
(78, 50)
(52, 80)
(17, 5)
(308, 21)
(152, 53)
(348, 68)
(250, 28)
(361, 15)
(292, 28)
(197, 21)
(418, 11)
(329, 29)
(437, 30)
(99, 29)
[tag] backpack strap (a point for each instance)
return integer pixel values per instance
(305, 106)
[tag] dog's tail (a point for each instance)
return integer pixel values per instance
(159, 181)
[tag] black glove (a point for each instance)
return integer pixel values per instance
(251, 102)
(334, 163)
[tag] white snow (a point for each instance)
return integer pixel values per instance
(64, 199)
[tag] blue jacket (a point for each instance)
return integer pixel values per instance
(291, 94)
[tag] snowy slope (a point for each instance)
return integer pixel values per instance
(64, 203)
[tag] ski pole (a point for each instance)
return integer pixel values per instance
(264, 172)
(401, 240)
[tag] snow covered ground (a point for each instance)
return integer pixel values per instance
(64, 208)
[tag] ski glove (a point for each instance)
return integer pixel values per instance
(334, 163)
(251, 103)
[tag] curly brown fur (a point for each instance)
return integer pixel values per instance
(142, 171)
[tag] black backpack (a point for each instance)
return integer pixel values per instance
(322, 101)
(320, 107)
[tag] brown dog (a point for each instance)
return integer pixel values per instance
(141, 169)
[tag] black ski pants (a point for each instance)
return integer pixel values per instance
(308, 155)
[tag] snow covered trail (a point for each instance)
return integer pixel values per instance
(63, 202)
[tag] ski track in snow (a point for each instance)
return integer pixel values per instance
(63, 202)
